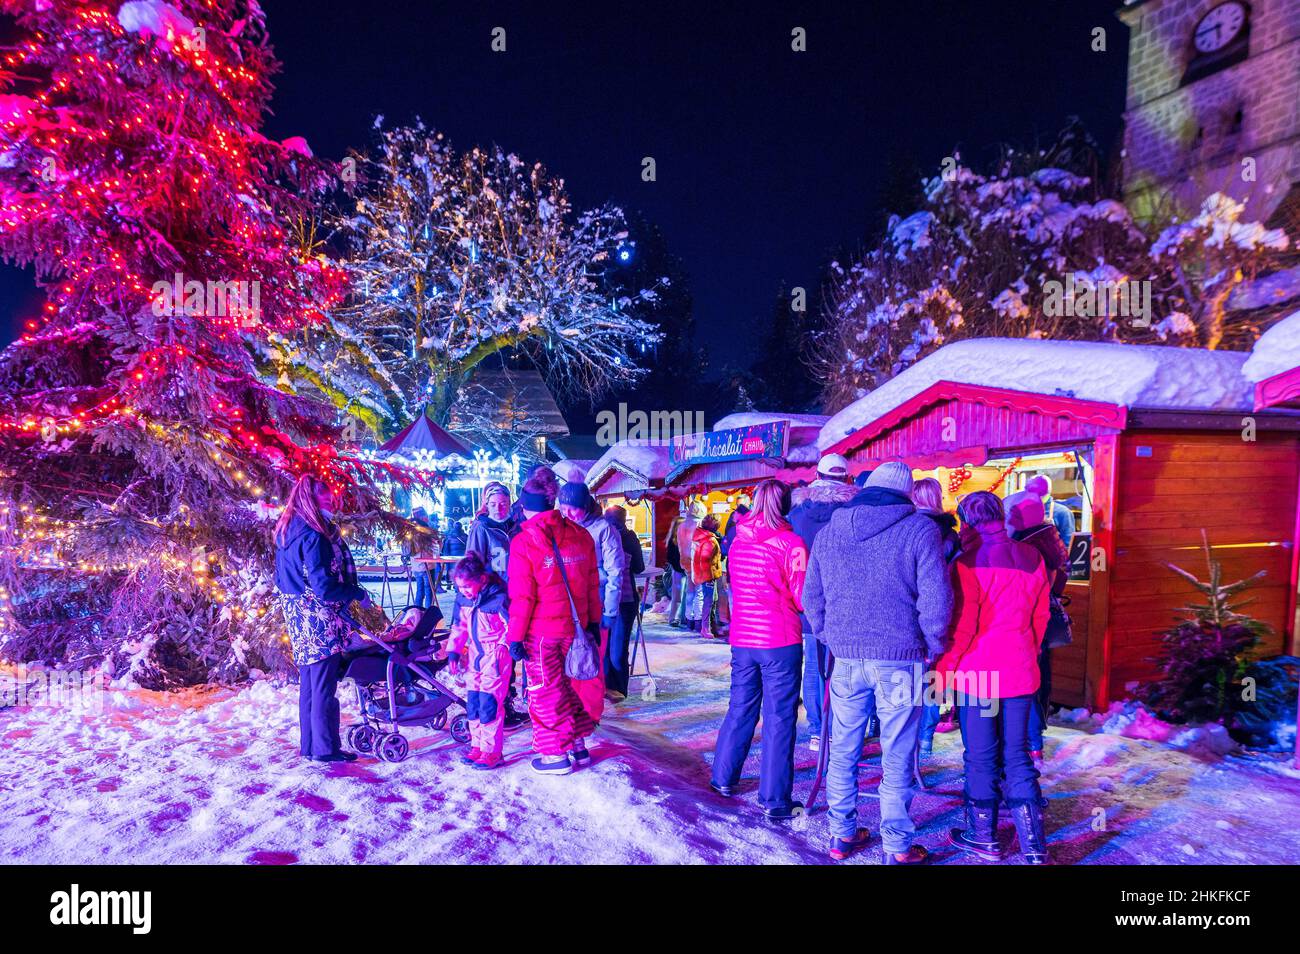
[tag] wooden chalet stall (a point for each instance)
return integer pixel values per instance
(631, 474)
(1149, 445)
(721, 468)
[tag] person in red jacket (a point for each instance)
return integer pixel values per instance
(1027, 521)
(705, 568)
(991, 667)
(767, 562)
(542, 619)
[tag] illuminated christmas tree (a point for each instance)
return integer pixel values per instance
(141, 454)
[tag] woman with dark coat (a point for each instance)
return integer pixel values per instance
(317, 582)
(492, 529)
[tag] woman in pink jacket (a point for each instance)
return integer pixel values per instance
(767, 562)
(477, 647)
(991, 667)
(543, 605)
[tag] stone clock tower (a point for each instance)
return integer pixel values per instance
(1214, 105)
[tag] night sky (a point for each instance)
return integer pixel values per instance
(769, 162)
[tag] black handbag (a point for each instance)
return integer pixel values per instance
(1060, 630)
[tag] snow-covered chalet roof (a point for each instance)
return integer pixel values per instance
(1276, 351)
(645, 460)
(1134, 376)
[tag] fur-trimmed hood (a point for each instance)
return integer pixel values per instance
(823, 491)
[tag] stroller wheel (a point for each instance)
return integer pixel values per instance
(439, 721)
(392, 747)
(361, 738)
(460, 728)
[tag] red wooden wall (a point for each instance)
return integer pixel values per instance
(1242, 493)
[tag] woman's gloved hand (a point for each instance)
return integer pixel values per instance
(517, 652)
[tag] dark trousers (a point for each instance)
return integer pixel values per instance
(620, 642)
(765, 680)
(1043, 701)
(995, 734)
(318, 707)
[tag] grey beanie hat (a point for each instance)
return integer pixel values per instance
(894, 475)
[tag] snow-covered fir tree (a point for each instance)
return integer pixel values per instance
(141, 454)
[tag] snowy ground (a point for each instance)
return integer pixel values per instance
(213, 775)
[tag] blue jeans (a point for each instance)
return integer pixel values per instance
(929, 719)
(996, 736)
(1042, 701)
(423, 593)
(688, 599)
(895, 688)
(766, 679)
(814, 687)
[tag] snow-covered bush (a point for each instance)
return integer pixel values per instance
(1035, 253)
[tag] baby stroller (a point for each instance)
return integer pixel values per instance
(396, 685)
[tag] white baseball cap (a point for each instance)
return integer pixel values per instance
(833, 465)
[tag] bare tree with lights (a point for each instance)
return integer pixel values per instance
(458, 256)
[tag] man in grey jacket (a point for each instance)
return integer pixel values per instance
(878, 595)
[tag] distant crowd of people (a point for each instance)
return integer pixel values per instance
(863, 601)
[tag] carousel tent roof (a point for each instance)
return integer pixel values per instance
(424, 435)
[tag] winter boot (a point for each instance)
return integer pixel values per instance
(841, 848)
(1028, 817)
(558, 765)
(980, 837)
(488, 760)
(579, 755)
(472, 756)
(784, 813)
(915, 855)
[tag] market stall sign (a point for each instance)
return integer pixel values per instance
(768, 439)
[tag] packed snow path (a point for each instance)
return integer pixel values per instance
(213, 775)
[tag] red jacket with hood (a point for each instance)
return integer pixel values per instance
(1001, 592)
(767, 570)
(539, 605)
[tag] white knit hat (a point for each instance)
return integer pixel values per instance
(894, 475)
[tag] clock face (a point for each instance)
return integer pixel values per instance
(1219, 27)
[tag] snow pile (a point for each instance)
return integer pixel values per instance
(1145, 376)
(572, 471)
(1277, 350)
(645, 460)
(213, 775)
(156, 18)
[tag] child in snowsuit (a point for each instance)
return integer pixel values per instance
(477, 647)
